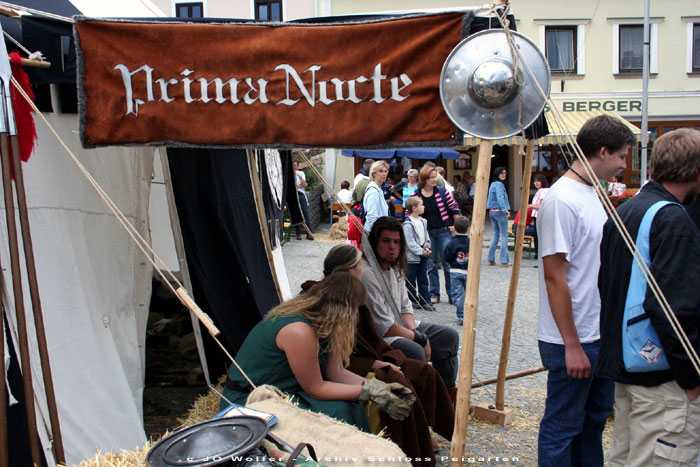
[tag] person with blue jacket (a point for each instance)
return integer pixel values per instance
(499, 211)
(373, 199)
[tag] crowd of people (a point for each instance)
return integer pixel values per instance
(352, 337)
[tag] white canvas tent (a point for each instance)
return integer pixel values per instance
(95, 290)
(94, 286)
(94, 282)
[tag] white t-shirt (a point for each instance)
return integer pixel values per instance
(299, 175)
(570, 221)
(345, 196)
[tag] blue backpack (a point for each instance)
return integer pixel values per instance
(641, 347)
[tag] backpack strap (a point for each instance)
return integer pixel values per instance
(641, 347)
(638, 285)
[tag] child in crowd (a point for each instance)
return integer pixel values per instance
(457, 255)
(417, 252)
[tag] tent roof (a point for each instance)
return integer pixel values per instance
(411, 153)
(570, 125)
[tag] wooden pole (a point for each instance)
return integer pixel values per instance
(181, 257)
(16, 272)
(257, 195)
(519, 374)
(4, 447)
(466, 368)
(57, 441)
(517, 260)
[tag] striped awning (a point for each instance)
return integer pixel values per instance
(570, 124)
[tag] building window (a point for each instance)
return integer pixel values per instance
(628, 45)
(189, 10)
(560, 48)
(268, 10)
(696, 47)
(631, 48)
(692, 43)
(563, 42)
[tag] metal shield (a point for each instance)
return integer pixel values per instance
(208, 443)
(481, 91)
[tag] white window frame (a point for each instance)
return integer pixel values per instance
(284, 9)
(653, 41)
(580, 24)
(175, 3)
(690, 22)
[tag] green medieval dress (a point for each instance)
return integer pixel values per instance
(265, 363)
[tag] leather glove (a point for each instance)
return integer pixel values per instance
(393, 398)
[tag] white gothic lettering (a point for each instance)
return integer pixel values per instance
(249, 90)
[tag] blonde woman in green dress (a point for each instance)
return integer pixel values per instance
(303, 346)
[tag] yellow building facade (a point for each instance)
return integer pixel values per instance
(594, 49)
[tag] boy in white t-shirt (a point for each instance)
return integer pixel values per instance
(570, 227)
(415, 230)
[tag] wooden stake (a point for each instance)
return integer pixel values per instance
(466, 368)
(15, 269)
(262, 219)
(519, 374)
(40, 331)
(35, 63)
(517, 260)
(4, 447)
(9, 12)
(204, 318)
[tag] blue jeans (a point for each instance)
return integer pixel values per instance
(304, 204)
(418, 271)
(459, 287)
(439, 238)
(532, 231)
(571, 430)
(499, 221)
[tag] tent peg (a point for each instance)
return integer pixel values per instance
(203, 317)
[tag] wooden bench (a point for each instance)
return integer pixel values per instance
(528, 240)
(338, 210)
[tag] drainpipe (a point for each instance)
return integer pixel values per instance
(645, 94)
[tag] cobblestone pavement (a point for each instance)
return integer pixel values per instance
(486, 444)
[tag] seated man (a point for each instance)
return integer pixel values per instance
(421, 341)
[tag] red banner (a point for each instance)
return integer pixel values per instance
(338, 85)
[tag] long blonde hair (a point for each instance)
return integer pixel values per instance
(331, 307)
